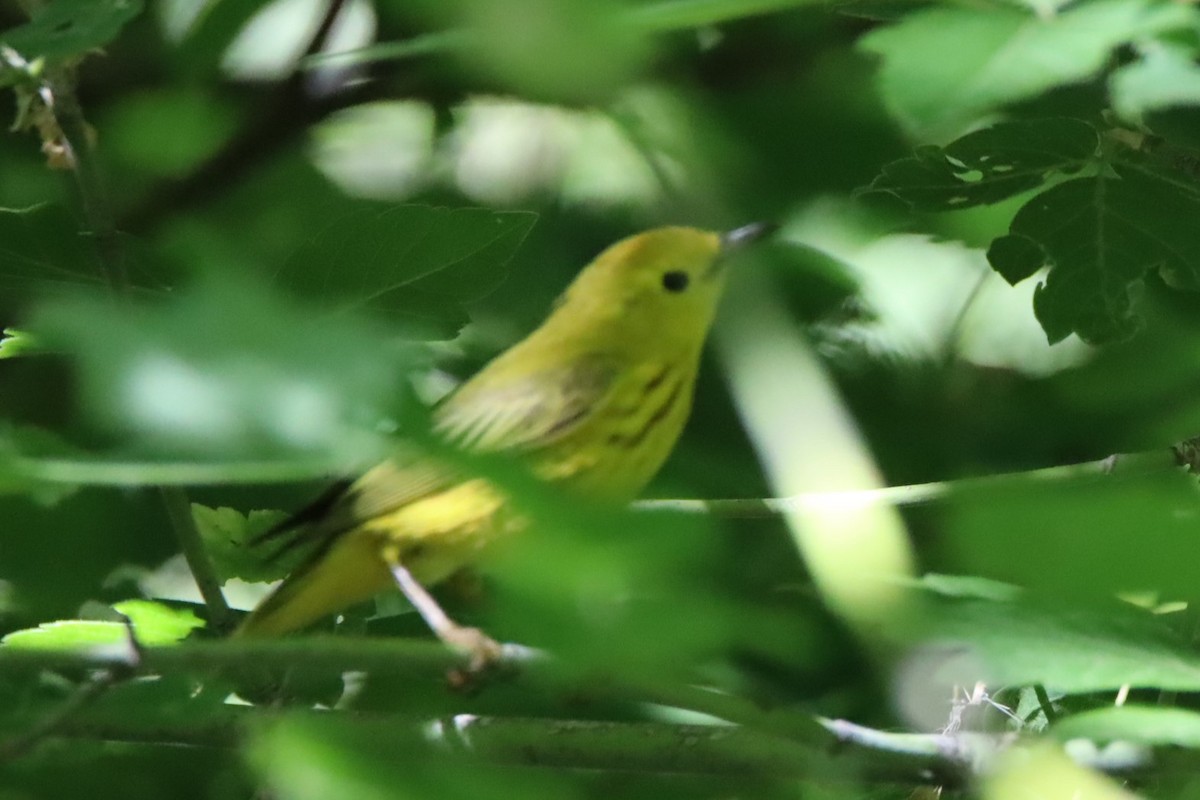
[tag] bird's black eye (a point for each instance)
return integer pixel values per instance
(675, 280)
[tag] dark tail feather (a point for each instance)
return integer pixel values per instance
(314, 512)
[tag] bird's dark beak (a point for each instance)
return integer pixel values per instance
(738, 238)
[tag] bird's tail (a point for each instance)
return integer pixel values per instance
(349, 572)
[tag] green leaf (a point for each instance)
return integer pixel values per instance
(228, 535)
(66, 29)
(227, 370)
(944, 68)
(153, 624)
(1152, 725)
(990, 165)
(14, 343)
(1100, 236)
(418, 262)
(156, 623)
(1076, 538)
(1067, 648)
(1164, 77)
(42, 246)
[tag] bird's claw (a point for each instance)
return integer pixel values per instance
(484, 653)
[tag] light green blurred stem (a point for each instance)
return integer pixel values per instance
(672, 15)
(807, 443)
(663, 17)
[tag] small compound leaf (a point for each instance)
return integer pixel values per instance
(1016, 257)
(228, 536)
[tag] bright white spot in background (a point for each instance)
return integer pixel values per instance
(303, 414)
(918, 288)
(504, 151)
(168, 396)
(173, 580)
(378, 150)
(605, 168)
(269, 45)
(177, 16)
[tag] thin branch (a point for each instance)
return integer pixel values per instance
(60, 719)
(912, 494)
(83, 696)
(650, 747)
(179, 510)
(334, 655)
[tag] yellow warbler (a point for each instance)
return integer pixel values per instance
(594, 399)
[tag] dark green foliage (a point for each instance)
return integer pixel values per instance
(283, 256)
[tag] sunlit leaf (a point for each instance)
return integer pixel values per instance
(15, 343)
(944, 67)
(153, 624)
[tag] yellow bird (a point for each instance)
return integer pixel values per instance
(594, 400)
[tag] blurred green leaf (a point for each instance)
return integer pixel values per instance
(1100, 236)
(990, 165)
(417, 262)
(306, 760)
(572, 51)
(669, 15)
(153, 624)
(1066, 647)
(943, 68)
(67, 29)
(1077, 538)
(1164, 77)
(167, 132)
(226, 368)
(1154, 725)
(42, 246)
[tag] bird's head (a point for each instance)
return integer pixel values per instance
(659, 286)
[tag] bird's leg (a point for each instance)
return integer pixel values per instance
(483, 650)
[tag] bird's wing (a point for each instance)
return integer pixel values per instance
(524, 413)
(527, 411)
